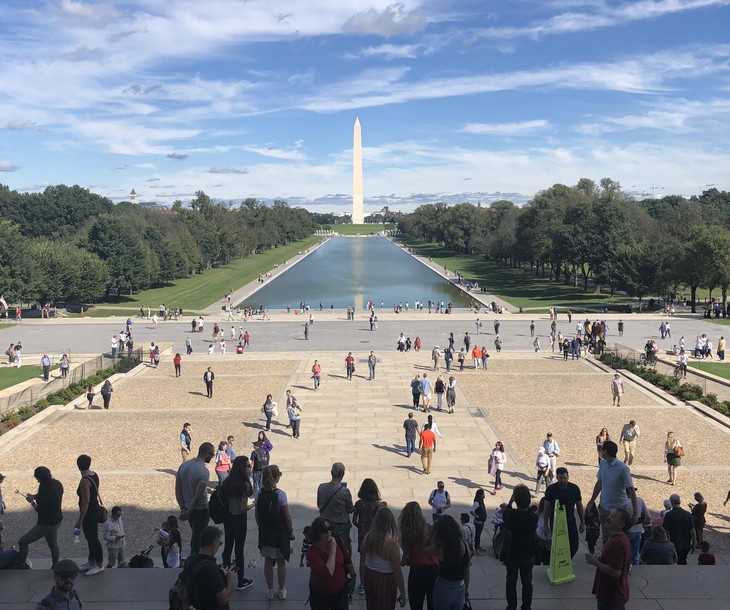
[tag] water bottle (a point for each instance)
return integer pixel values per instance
(77, 535)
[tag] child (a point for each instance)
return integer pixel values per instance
(174, 543)
(593, 527)
(467, 532)
(163, 539)
(305, 545)
(705, 558)
(114, 538)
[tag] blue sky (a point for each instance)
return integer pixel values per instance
(467, 100)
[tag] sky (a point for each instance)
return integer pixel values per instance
(459, 101)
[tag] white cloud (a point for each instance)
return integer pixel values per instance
(394, 20)
(277, 153)
(228, 170)
(505, 129)
(392, 51)
(7, 166)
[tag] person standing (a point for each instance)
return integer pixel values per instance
(552, 450)
(259, 461)
(317, 374)
(532, 328)
(451, 589)
(331, 570)
(569, 496)
(699, 510)
(451, 394)
(611, 583)
(177, 360)
(212, 586)
(230, 451)
(268, 410)
(222, 462)
(680, 527)
(306, 331)
(185, 440)
(467, 341)
(62, 595)
(334, 502)
(498, 459)
(191, 492)
(237, 489)
(65, 365)
(349, 365)
(479, 512)
(380, 564)
(46, 366)
(721, 344)
(620, 327)
(410, 425)
(426, 443)
(47, 504)
(415, 536)
(673, 452)
(617, 389)
(520, 559)
(601, 438)
(636, 531)
(208, 378)
(89, 510)
(372, 361)
(629, 433)
(294, 410)
(435, 356)
(440, 501)
(440, 390)
(114, 538)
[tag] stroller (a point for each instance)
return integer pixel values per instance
(143, 559)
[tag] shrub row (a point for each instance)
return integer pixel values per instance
(10, 419)
(672, 385)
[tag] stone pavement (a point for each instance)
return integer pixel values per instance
(357, 422)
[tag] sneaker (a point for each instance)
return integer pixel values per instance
(361, 590)
(281, 594)
(95, 570)
(244, 584)
(86, 566)
(270, 594)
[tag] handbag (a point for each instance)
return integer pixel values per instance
(679, 451)
(103, 512)
(467, 604)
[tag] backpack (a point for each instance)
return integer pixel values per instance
(217, 506)
(182, 595)
(260, 459)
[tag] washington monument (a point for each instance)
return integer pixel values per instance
(358, 215)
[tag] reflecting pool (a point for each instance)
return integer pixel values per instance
(349, 271)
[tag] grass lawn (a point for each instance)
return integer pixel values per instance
(366, 229)
(720, 321)
(196, 292)
(714, 368)
(10, 375)
(515, 286)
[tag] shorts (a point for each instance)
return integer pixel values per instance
(271, 552)
(427, 396)
(343, 531)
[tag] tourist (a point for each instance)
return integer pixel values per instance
(106, 393)
(680, 528)
(498, 459)
(440, 390)
(698, 514)
(212, 586)
(440, 501)
(89, 510)
(542, 463)
(230, 451)
(172, 545)
(185, 440)
(275, 530)
(435, 356)
(427, 439)
(372, 362)
(520, 556)
(611, 585)
(658, 550)
(349, 365)
(236, 489)
(46, 366)
(90, 395)
(208, 378)
(451, 394)
(317, 374)
(62, 595)
(601, 438)
(629, 433)
(479, 512)
(222, 462)
(617, 389)
(65, 365)
(415, 535)
(268, 410)
(47, 505)
(426, 392)
(485, 357)
(552, 450)
(331, 573)
(114, 538)
(176, 361)
(416, 391)
(334, 502)
(260, 458)
(673, 452)
(369, 502)
(410, 425)
(380, 564)
(434, 428)
(476, 356)
(705, 558)
(461, 357)
(294, 410)
(191, 492)
(635, 532)
(451, 589)
(569, 496)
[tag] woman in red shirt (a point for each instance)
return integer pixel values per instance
(332, 574)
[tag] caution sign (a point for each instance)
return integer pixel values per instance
(561, 564)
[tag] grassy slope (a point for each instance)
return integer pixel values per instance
(714, 368)
(514, 286)
(198, 291)
(10, 375)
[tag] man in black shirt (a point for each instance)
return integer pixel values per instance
(47, 503)
(568, 494)
(521, 555)
(211, 587)
(681, 529)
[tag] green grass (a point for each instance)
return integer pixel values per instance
(10, 375)
(366, 229)
(720, 321)
(515, 286)
(714, 368)
(197, 292)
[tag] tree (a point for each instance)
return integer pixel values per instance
(16, 264)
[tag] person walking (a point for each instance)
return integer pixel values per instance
(316, 374)
(426, 393)
(611, 583)
(47, 505)
(349, 365)
(436, 356)
(520, 557)
(416, 391)
(65, 365)
(569, 496)
(699, 510)
(89, 511)
(629, 433)
(372, 361)
(237, 489)
(673, 453)
(601, 438)
(380, 564)
(617, 389)
(294, 410)
(451, 394)
(426, 443)
(440, 501)
(440, 390)
(680, 527)
(46, 366)
(542, 463)
(185, 440)
(415, 538)
(106, 393)
(177, 360)
(552, 450)
(191, 492)
(410, 425)
(498, 459)
(208, 378)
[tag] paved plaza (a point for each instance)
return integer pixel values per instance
(517, 400)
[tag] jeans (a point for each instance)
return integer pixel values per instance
(90, 527)
(372, 371)
(416, 400)
(316, 379)
(410, 446)
(448, 594)
(478, 529)
(49, 532)
(421, 580)
(603, 606)
(235, 528)
(295, 427)
(256, 479)
(523, 567)
(198, 520)
(635, 539)
(268, 414)
(116, 556)
(322, 601)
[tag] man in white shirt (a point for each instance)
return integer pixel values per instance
(440, 501)
(629, 433)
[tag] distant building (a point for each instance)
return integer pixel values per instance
(133, 197)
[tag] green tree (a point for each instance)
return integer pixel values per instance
(16, 265)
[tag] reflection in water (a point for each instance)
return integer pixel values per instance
(349, 271)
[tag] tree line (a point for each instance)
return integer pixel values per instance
(595, 234)
(68, 244)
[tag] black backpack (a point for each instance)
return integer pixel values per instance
(217, 506)
(260, 458)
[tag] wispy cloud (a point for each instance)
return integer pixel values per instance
(392, 51)
(505, 129)
(177, 156)
(228, 170)
(394, 20)
(276, 153)
(7, 166)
